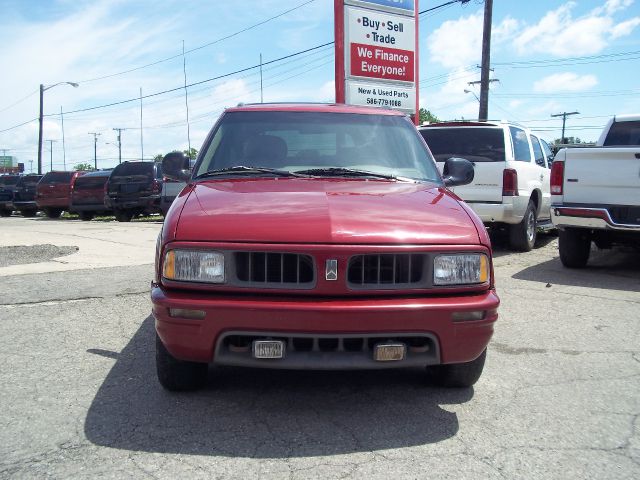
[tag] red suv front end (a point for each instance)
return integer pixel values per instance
(320, 237)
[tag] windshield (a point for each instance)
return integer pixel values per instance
(475, 144)
(309, 142)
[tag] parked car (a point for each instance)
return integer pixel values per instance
(170, 190)
(596, 192)
(24, 197)
(511, 184)
(320, 237)
(7, 187)
(88, 195)
(53, 192)
(134, 189)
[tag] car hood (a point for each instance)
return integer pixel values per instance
(324, 211)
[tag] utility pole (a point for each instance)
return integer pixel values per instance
(483, 112)
(119, 130)
(564, 116)
(51, 142)
(64, 151)
(186, 98)
(141, 141)
(95, 148)
(40, 120)
(261, 95)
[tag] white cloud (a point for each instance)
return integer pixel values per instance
(565, 82)
(625, 28)
(560, 34)
(458, 43)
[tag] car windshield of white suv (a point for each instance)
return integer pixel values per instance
(476, 144)
(314, 144)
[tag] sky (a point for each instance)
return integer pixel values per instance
(547, 57)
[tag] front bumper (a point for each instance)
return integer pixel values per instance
(199, 340)
(594, 218)
(511, 210)
(25, 205)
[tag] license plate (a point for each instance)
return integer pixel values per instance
(389, 352)
(268, 349)
(128, 188)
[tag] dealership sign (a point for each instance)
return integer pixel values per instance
(377, 53)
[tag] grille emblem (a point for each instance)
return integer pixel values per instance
(331, 270)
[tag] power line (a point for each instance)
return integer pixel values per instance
(443, 5)
(218, 40)
(19, 101)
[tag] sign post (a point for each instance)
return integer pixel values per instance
(377, 54)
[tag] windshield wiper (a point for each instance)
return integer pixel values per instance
(242, 169)
(350, 172)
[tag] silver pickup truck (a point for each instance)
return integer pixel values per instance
(595, 192)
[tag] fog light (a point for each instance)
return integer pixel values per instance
(186, 313)
(468, 316)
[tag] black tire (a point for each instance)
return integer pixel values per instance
(53, 212)
(86, 216)
(457, 375)
(522, 236)
(123, 215)
(5, 213)
(575, 247)
(177, 375)
(28, 213)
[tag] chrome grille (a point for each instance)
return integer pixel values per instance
(393, 269)
(269, 268)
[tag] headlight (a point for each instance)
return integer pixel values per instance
(194, 266)
(460, 269)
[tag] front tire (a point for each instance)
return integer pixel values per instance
(178, 375)
(5, 213)
(458, 375)
(123, 215)
(28, 213)
(522, 236)
(575, 247)
(53, 212)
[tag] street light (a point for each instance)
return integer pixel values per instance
(42, 90)
(474, 93)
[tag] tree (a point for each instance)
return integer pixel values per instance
(84, 167)
(158, 157)
(427, 116)
(569, 141)
(192, 153)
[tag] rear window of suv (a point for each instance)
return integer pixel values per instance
(135, 168)
(475, 144)
(89, 182)
(8, 180)
(57, 177)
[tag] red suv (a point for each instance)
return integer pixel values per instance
(53, 193)
(320, 237)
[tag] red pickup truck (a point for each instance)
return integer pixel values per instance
(320, 237)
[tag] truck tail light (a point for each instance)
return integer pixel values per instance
(557, 178)
(155, 186)
(509, 183)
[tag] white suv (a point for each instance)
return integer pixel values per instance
(511, 184)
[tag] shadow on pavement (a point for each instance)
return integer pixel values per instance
(266, 413)
(500, 242)
(614, 269)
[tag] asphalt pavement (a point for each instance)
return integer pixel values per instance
(559, 397)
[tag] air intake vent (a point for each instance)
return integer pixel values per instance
(386, 270)
(274, 269)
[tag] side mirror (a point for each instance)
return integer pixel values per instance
(175, 166)
(457, 171)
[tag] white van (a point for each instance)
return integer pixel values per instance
(511, 185)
